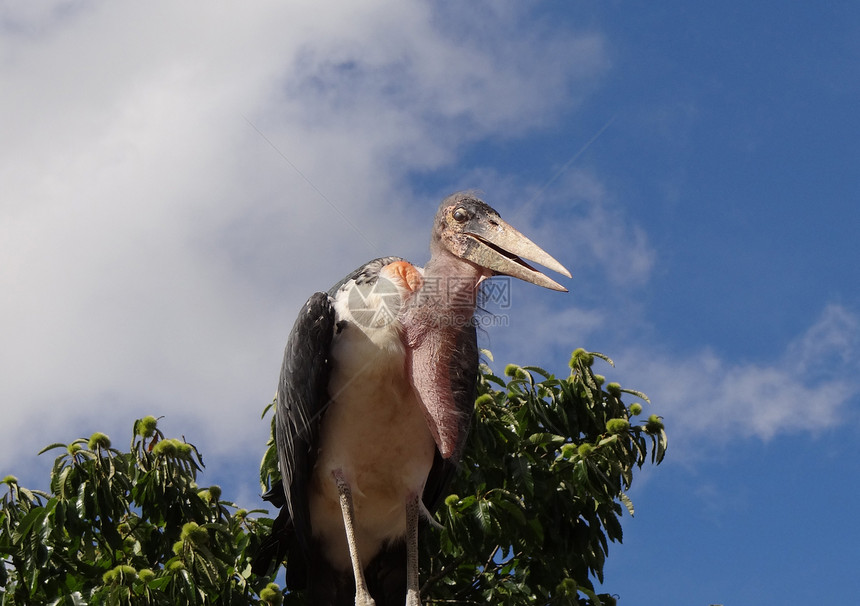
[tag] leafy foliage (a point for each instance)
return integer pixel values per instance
(126, 528)
(537, 501)
(540, 493)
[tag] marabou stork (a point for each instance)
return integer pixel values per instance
(374, 404)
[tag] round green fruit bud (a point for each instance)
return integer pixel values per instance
(126, 571)
(267, 594)
(177, 565)
(177, 547)
(193, 533)
(146, 426)
(483, 400)
(585, 449)
(654, 424)
(188, 528)
(568, 450)
(171, 447)
(515, 372)
(215, 491)
(146, 575)
(599, 379)
(98, 440)
(616, 426)
(635, 409)
(271, 594)
(119, 574)
(580, 355)
(451, 500)
(566, 588)
(614, 389)
(73, 448)
(165, 448)
(10, 480)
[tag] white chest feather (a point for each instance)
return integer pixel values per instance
(374, 432)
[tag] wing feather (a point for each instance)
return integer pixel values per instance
(302, 399)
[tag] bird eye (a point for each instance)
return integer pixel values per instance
(460, 215)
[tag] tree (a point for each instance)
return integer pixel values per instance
(125, 528)
(529, 519)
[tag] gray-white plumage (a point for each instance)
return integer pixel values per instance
(374, 404)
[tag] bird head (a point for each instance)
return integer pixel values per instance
(470, 229)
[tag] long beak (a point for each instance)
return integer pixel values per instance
(500, 247)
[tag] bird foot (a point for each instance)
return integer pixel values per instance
(364, 599)
(412, 598)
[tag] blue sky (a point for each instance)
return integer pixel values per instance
(176, 181)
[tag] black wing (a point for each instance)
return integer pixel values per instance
(302, 399)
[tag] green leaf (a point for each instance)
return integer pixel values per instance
(83, 504)
(627, 502)
(638, 394)
(72, 599)
(159, 583)
(541, 498)
(522, 474)
(270, 406)
(546, 439)
(52, 447)
(30, 522)
(603, 357)
(511, 508)
(538, 370)
(482, 514)
(590, 595)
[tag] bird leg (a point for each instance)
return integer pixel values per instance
(413, 597)
(362, 595)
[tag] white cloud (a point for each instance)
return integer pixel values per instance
(154, 244)
(604, 239)
(707, 399)
(578, 221)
